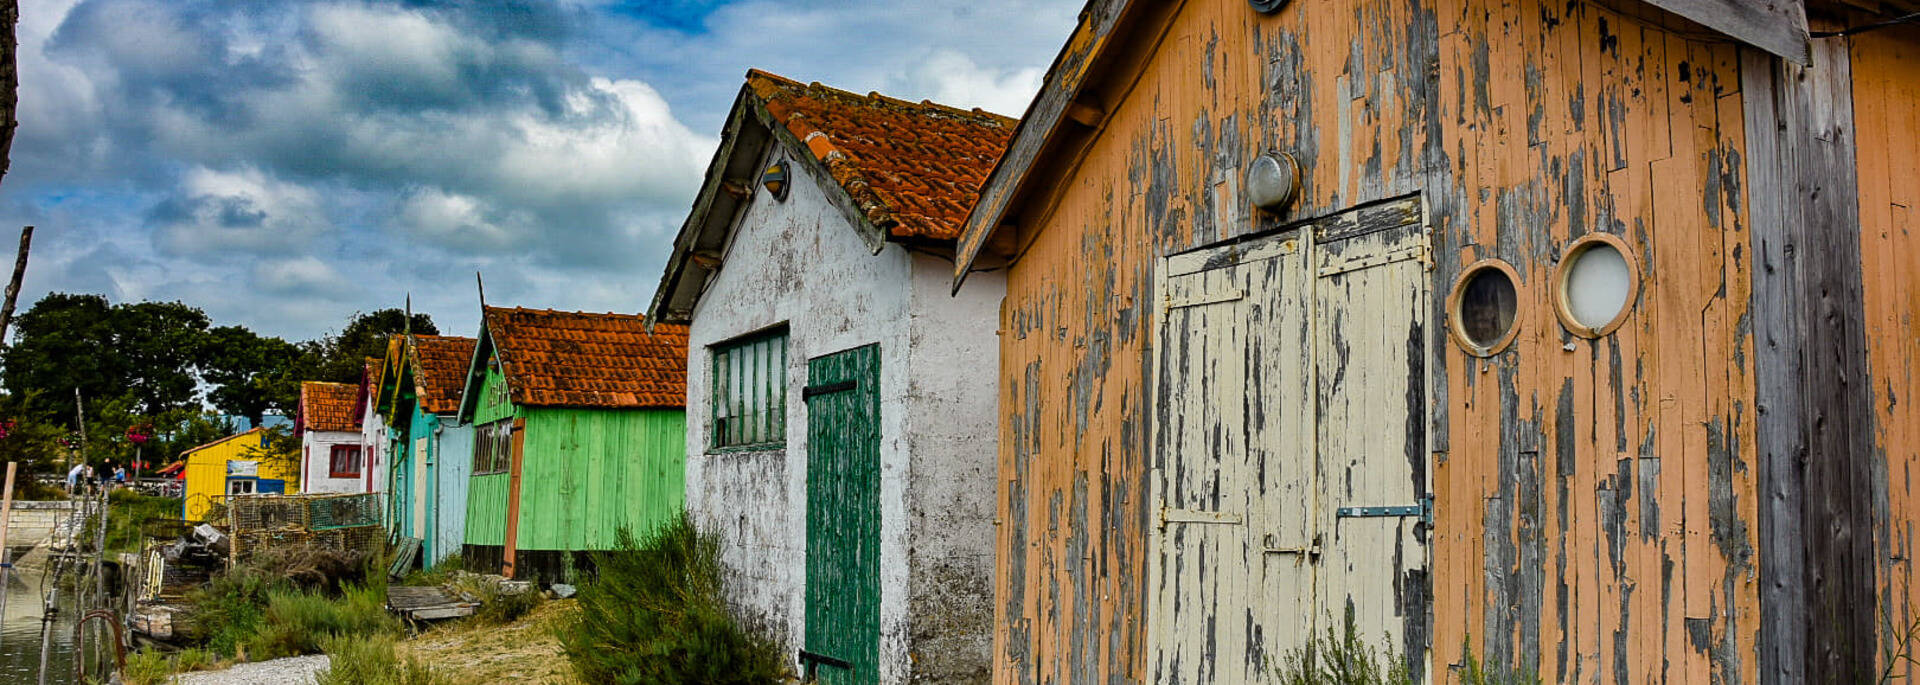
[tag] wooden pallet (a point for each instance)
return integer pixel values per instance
(427, 603)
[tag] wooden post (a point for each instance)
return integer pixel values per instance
(511, 539)
(13, 286)
(6, 522)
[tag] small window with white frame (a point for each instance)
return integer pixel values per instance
(750, 392)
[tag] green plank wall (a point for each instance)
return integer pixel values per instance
(487, 510)
(487, 494)
(587, 473)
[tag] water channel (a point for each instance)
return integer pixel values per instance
(20, 634)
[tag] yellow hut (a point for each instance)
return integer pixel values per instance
(232, 466)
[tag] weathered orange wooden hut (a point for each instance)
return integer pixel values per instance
(1579, 336)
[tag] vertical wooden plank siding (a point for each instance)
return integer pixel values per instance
(453, 464)
(585, 474)
(487, 510)
(843, 514)
(1886, 118)
(1595, 498)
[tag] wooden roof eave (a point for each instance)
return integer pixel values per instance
(705, 228)
(710, 225)
(1040, 128)
(476, 372)
(1776, 26)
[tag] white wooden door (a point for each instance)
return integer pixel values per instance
(1290, 450)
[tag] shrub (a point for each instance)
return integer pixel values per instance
(300, 622)
(146, 667)
(657, 614)
(499, 608)
(193, 659)
(372, 661)
(228, 611)
(1343, 658)
(127, 513)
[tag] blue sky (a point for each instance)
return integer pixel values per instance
(284, 164)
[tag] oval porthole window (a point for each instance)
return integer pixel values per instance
(1483, 307)
(1595, 286)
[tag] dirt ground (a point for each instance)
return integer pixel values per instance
(524, 651)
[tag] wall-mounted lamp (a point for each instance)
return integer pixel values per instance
(1272, 181)
(776, 180)
(1267, 6)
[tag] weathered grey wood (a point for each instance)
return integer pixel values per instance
(1049, 110)
(1776, 26)
(1818, 617)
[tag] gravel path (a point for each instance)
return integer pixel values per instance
(299, 669)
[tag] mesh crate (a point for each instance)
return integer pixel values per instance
(267, 512)
(343, 511)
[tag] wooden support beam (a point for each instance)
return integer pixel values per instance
(1086, 113)
(1776, 26)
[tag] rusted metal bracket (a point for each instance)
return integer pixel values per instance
(810, 661)
(810, 391)
(1171, 515)
(1424, 510)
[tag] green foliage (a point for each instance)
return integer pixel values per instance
(372, 661)
(252, 374)
(1343, 658)
(499, 608)
(229, 611)
(299, 622)
(342, 358)
(256, 613)
(657, 614)
(147, 667)
(280, 446)
(141, 351)
(128, 511)
(193, 659)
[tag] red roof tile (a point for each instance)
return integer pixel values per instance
(914, 169)
(440, 371)
(569, 359)
(329, 406)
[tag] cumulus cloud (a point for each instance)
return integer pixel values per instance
(284, 164)
(237, 211)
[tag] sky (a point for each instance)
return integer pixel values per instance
(285, 164)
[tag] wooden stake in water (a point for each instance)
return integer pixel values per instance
(6, 521)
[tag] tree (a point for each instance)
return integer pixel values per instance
(65, 342)
(342, 358)
(143, 351)
(252, 374)
(159, 343)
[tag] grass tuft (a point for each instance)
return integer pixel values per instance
(372, 661)
(657, 614)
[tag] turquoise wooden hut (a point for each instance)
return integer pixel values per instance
(432, 447)
(579, 431)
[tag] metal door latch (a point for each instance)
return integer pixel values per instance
(1310, 551)
(1424, 510)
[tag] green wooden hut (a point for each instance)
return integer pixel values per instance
(579, 431)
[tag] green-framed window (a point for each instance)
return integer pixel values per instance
(750, 392)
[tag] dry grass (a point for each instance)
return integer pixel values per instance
(524, 651)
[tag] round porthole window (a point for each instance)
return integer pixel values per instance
(1483, 307)
(1595, 285)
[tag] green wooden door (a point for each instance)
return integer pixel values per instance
(843, 516)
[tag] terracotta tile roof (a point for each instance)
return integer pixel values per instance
(440, 371)
(329, 406)
(914, 169)
(570, 359)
